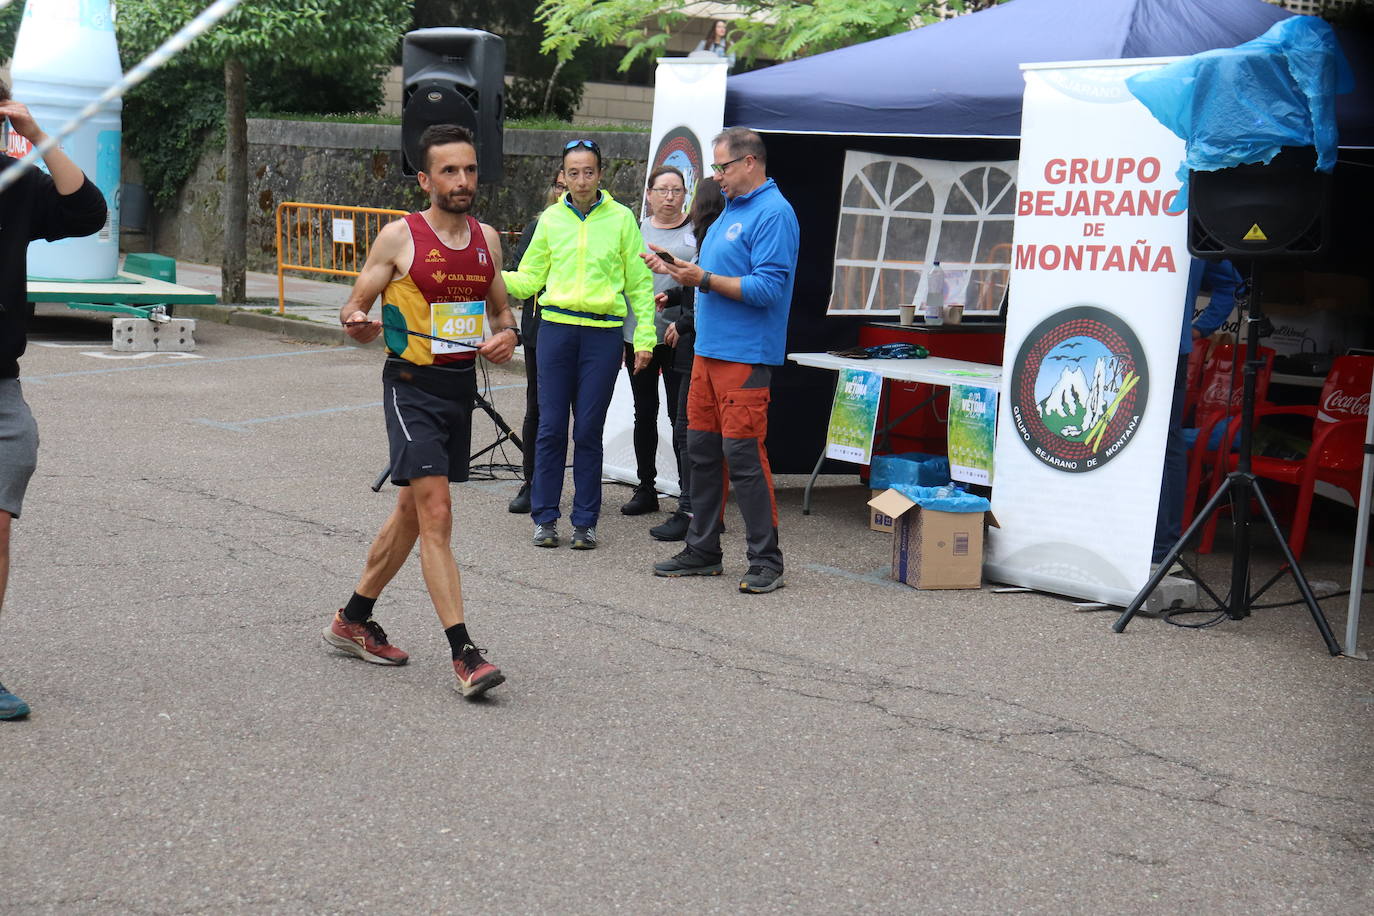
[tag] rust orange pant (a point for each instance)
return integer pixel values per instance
(727, 423)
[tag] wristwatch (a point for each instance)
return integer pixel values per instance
(705, 284)
(519, 338)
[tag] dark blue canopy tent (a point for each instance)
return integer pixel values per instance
(953, 91)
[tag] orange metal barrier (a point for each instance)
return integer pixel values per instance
(335, 240)
(325, 239)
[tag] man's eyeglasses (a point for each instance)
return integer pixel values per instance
(589, 144)
(559, 186)
(668, 192)
(719, 168)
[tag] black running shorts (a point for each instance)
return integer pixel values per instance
(428, 419)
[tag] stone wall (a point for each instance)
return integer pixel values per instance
(360, 165)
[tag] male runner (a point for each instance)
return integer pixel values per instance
(440, 270)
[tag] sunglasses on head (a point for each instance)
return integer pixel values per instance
(589, 144)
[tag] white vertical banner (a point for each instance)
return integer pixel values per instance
(689, 110)
(1099, 275)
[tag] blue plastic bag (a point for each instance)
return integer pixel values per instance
(1243, 104)
(948, 498)
(910, 468)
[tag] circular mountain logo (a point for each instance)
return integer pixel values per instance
(1079, 388)
(681, 149)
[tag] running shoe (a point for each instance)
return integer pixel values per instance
(688, 563)
(11, 707)
(367, 640)
(584, 537)
(545, 535)
(760, 580)
(475, 674)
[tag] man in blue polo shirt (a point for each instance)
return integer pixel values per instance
(744, 272)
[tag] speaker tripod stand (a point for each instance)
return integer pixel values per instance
(1241, 487)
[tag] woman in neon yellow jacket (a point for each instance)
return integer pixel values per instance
(585, 256)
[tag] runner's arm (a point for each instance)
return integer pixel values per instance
(500, 346)
(377, 272)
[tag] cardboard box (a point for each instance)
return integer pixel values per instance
(877, 521)
(932, 549)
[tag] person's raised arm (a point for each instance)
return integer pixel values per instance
(66, 174)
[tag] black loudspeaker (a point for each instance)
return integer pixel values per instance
(454, 76)
(1248, 211)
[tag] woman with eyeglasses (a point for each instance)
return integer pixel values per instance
(585, 256)
(529, 331)
(667, 227)
(677, 306)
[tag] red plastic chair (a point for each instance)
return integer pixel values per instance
(1219, 396)
(1337, 453)
(1197, 359)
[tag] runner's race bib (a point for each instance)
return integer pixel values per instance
(459, 322)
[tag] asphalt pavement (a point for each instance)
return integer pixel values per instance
(846, 744)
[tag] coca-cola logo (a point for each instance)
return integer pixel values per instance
(1338, 402)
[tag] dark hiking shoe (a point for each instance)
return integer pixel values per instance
(520, 502)
(545, 535)
(760, 580)
(584, 537)
(674, 529)
(644, 501)
(687, 563)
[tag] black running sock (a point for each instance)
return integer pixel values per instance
(458, 639)
(358, 608)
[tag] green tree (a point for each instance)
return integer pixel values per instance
(763, 29)
(320, 37)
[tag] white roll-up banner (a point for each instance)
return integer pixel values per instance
(1099, 275)
(689, 110)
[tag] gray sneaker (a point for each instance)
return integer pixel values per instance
(759, 580)
(545, 535)
(584, 537)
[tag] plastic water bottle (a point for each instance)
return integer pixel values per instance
(64, 57)
(935, 295)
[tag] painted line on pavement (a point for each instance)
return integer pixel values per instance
(181, 364)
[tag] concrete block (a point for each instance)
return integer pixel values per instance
(140, 335)
(1172, 592)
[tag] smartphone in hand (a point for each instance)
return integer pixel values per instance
(666, 258)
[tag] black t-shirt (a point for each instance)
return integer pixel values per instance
(32, 209)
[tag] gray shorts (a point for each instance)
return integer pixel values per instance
(18, 446)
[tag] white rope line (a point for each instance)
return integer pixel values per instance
(169, 49)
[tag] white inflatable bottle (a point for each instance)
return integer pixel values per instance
(64, 58)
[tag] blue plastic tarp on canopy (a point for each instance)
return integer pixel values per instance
(1244, 104)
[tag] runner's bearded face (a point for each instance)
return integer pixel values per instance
(451, 180)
